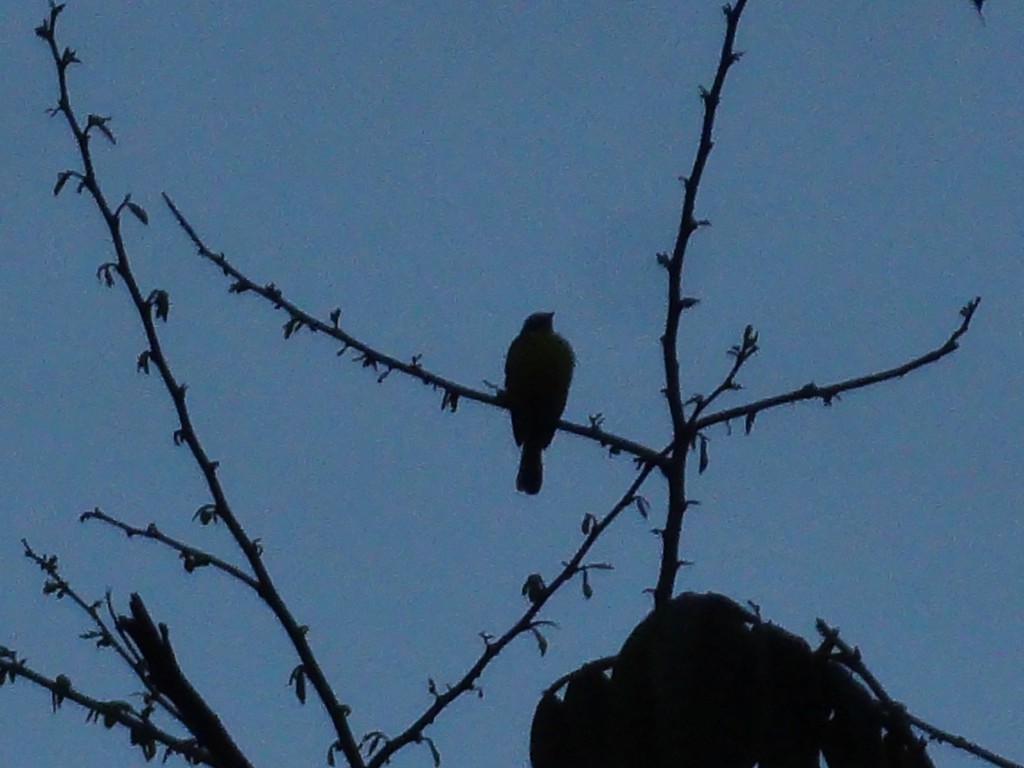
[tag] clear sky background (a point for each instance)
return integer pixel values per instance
(438, 171)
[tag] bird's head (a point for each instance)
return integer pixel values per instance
(538, 321)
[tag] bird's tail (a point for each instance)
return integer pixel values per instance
(531, 470)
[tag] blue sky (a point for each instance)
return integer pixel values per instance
(438, 172)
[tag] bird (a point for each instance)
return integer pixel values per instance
(538, 372)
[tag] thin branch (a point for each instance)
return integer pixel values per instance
(192, 557)
(851, 658)
(959, 742)
(156, 305)
(526, 623)
(60, 588)
(829, 392)
(740, 353)
(682, 430)
(143, 732)
(378, 361)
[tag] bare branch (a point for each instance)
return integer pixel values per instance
(103, 636)
(829, 392)
(192, 557)
(526, 623)
(895, 712)
(740, 353)
(370, 357)
(143, 732)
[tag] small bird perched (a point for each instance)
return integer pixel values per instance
(538, 371)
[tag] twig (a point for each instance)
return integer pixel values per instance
(740, 353)
(829, 392)
(60, 588)
(851, 657)
(143, 732)
(527, 622)
(959, 742)
(191, 556)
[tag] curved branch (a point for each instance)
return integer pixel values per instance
(829, 392)
(851, 658)
(527, 622)
(369, 357)
(193, 557)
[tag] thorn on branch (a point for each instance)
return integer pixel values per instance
(642, 506)
(298, 679)
(588, 523)
(542, 642)
(206, 514)
(90, 514)
(967, 313)
(44, 31)
(138, 211)
(748, 347)
(193, 560)
(67, 58)
(105, 273)
(434, 753)
(449, 401)
(62, 179)
(98, 121)
(534, 588)
(588, 590)
(161, 302)
(371, 742)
